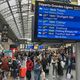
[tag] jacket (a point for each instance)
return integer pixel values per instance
(5, 66)
(37, 68)
(29, 65)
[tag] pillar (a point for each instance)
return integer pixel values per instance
(5, 45)
(77, 61)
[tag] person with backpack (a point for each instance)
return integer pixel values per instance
(37, 69)
(44, 63)
(60, 69)
(5, 67)
(14, 68)
(29, 65)
(49, 59)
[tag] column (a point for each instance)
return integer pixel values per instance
(77, 61)
(6, 45)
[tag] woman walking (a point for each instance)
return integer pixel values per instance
(37, 69)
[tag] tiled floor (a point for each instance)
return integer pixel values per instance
(50, 76)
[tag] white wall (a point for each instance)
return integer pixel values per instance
(6, 45)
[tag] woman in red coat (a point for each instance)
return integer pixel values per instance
(5, 67)
(29, 65)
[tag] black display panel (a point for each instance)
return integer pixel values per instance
(56, 21)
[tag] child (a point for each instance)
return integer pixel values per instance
(43, 75)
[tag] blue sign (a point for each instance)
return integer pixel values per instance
(41, 47)
(57, 21)
(7, 53)
(30, 46)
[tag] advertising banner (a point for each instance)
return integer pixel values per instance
(8, 53)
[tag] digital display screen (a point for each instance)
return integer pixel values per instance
(41, 47)
(57, 21)
(30, 46)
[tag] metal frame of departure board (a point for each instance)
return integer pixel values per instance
(35, 26)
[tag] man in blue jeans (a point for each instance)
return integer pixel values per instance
(69, 64)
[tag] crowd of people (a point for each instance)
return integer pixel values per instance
(37, 62)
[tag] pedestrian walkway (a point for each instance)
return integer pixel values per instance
(50, 76)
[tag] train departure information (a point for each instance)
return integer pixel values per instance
(58, 21)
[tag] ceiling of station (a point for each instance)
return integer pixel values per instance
(18, 15)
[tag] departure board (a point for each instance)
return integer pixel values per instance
(57, 21)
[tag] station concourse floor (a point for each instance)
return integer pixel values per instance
(50, 76)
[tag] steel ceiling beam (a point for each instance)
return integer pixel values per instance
(20, 14)
(20, 21)
(11, 34)
(13, 16)
(27, 16)
(2, 1)
(13, 7)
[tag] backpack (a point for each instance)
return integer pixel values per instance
(5, 66)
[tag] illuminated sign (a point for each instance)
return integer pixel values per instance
(57, 21)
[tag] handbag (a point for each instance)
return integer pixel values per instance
(43, 75)
(68, 76)
(47, 67)
(62, 64)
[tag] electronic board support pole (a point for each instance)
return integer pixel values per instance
(77, 61)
